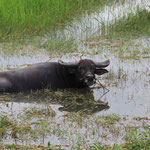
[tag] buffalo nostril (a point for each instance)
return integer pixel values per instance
(90, 77)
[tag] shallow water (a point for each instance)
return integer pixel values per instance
(127, 83)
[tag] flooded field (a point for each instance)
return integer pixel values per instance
(74, 118)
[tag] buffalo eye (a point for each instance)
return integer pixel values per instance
(79, 68)
(92, 67)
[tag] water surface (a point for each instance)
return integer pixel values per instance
(126, 93)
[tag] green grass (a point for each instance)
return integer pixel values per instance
(137, 141)
(32, 17)
(4, 124)
(29, 147)
(33, 112)
(131, 26)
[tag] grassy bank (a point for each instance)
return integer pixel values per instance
(23, 17)
(131, 26)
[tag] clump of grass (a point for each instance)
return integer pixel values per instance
(20, 130)
(23, 17)
(132, 25)
(139, 140)
(111, 119)
(60, 45)
(5, 123)
(8, 125)
(37, 112)
(29, 147)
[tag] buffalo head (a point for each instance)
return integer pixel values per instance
(85, 70)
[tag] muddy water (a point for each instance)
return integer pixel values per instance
(126, 93)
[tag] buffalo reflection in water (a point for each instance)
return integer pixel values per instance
(73, 100)
(81, 100)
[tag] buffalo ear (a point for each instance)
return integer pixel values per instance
(100, 71)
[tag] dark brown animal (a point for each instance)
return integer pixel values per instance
(52, 75)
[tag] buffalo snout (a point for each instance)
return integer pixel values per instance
(90, 76)
(89, 79)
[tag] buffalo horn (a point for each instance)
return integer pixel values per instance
(72, 64)
(102, 64)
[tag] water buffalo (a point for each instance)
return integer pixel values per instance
(52, 75)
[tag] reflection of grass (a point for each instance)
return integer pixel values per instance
(132, 25)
